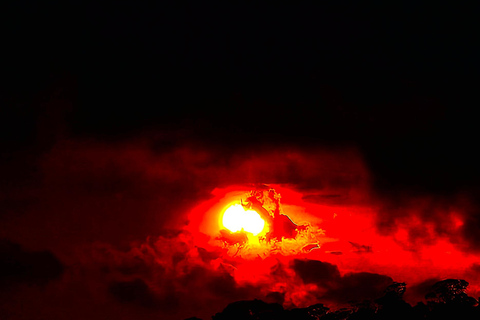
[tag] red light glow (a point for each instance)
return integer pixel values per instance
(343, 236)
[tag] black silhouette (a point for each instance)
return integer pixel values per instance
(446, 300)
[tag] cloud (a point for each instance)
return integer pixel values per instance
(118, 212)
(166, 275)
(361, 248)
(359, 286)
(86, 190)
(470, 228)
(313, 271)
(425, 219)
(138, 292)
(355, 286)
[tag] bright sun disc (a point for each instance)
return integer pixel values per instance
(237, 218)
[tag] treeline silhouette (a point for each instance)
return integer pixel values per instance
(446, 300)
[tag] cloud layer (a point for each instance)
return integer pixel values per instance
(125, 220)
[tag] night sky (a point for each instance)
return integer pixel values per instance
(118, 121)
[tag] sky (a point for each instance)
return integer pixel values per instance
(126, 129)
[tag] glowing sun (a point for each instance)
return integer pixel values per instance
(236, 218)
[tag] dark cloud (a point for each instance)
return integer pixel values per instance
(110, 197)
(19, 266)
(84, 190)
(475, 268)
(340, 289)
(275, 297)
(166, 275)
(471, 227)
(331, 199)
(139, 293)
(428, 218)
(215, 283)
(361, 286)
(208, 256)
(313, 271)
(361, 248)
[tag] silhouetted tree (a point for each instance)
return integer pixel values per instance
(449, 291)
(392, 305)
(314, 312)
(447, 300)
(251, 310)
(338, 314)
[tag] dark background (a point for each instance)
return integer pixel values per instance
(399, 81)
(82, 80)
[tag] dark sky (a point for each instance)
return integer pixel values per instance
(400, 79)
(83, 82)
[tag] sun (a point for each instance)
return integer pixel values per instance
(236, 218)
